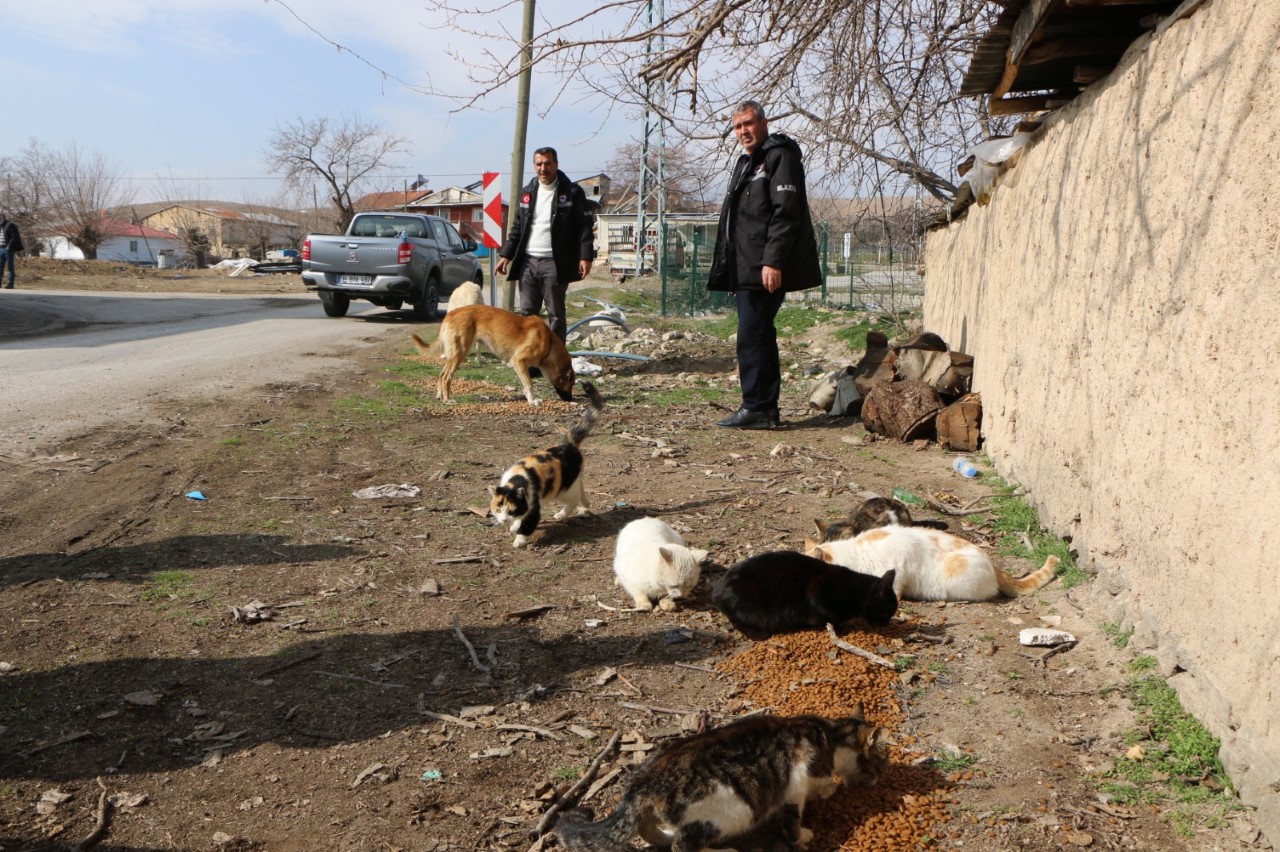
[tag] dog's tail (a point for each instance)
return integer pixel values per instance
(434, 348)
(579, 432)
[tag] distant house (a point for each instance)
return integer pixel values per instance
(125, 243)
(228, 230)
(461, 205)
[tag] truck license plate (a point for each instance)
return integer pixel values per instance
(356, 280)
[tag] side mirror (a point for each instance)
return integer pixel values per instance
(469, 245)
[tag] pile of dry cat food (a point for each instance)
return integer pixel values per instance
(805, 673)
(549, 403)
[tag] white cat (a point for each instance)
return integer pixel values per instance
(931, 565)
(652, 563)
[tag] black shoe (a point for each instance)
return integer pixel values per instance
(744, 419)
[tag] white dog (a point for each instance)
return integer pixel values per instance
(467, 293)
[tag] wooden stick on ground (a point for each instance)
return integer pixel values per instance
(100, 826)
(571, 795)
(856, 651)
(471, 649)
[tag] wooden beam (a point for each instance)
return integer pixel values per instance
(1086, 74)
(1092, 4)
(1014, 106)
(1025, 30)
(1051, 50)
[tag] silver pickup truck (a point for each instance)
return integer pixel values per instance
(389, 259)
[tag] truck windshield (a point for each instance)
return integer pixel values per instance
(388, 226)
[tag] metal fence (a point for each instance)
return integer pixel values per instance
(872, 277)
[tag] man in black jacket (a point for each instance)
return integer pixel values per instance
(10, 245)
(765, 248)
(550, 244)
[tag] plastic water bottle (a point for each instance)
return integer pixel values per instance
(964, 467)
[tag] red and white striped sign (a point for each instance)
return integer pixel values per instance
(492, 211)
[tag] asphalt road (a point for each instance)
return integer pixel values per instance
(74, 361)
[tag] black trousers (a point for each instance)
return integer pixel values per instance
(539, 285)
(759, 367)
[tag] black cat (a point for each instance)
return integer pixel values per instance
(785, 591)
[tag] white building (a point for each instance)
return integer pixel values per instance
(125, 243)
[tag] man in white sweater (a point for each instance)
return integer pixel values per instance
(550, 244)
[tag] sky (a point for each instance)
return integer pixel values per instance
(183, 96)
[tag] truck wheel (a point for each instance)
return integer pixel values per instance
(335, 304)
(429, 308)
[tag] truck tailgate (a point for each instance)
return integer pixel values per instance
(356, 256)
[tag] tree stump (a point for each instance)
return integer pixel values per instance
(901, 410)
(959, 425)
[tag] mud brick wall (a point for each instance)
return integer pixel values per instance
(1121, 297)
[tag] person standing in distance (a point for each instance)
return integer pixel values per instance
(765, 248)
(550, 244)
(10, 245)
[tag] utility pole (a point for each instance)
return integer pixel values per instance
(522, 129)
(652, 191)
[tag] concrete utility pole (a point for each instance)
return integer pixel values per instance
(522, 129)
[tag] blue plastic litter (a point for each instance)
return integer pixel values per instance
(196, 495)
(432, 775)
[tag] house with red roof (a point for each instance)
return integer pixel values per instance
(125, 243)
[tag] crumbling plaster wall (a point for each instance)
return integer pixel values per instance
(1120, 295)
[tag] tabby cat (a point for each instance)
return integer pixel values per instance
(785, 591)
(651, 563)
(874, 512)
(552, 475)
(733, 779)
(930, 565)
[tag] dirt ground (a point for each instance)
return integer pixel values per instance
(285, 665)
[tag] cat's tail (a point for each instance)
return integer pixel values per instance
(579, 432)
(1012, 586)
(434, 348)
(578, 833)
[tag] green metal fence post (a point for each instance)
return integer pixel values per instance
(826, 261)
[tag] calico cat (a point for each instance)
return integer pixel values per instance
(651, 563)
(728, 781)
(553, 474)
(785, 591)
(930, 565)
(874, 512)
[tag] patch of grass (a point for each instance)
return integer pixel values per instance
(954, 762)
(1142, 664)
(1017, 523)
(567, 773)
(903, 663)
(1119, 638)
(1178, 761)
(855, 335)
(363, 406)
(234, 441)
(168, 584)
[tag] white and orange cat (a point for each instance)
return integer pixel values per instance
(651, 563)
(931, 565)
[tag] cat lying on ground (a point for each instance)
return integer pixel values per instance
(874, 512)
(728, 781)
(929, 565)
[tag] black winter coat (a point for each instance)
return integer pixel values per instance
(12, 239)
(765, 221)
(572, 230)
